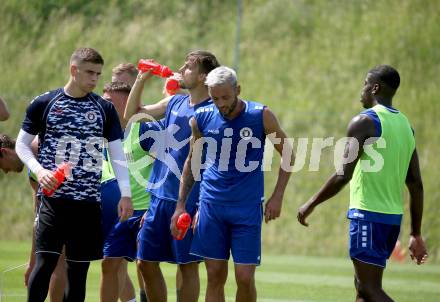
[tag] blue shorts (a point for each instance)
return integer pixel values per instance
(119, 237)
(110, 196)
(372, 242)
(121, 241)
(155, 242)
(222, 229)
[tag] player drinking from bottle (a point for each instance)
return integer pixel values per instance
(155, 241)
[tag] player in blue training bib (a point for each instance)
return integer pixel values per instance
(227, 143)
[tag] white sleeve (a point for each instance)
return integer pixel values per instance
(119, 164)
(24, 151)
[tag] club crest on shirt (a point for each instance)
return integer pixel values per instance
(246, 133)
(58, 111)
(91, 116)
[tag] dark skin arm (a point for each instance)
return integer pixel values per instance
(414, 184)
(360, 129)
(187, 180)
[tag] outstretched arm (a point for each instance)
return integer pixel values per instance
(187, 180)
(359, 130)
(134, 106)
(414, 184)
(285, 149)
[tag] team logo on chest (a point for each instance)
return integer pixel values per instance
(58, 111)
(246, 133)
(91, 116)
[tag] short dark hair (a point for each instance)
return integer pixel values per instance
(117, 87)
(204, 59)
(6, 142)
(387, 75)
(85, 54)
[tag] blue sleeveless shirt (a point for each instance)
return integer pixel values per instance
(168, 166)
(234, 155)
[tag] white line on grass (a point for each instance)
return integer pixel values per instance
(7, 271)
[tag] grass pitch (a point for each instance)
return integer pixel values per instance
(280, 278)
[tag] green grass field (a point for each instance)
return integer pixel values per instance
(305, 59)
(280, 278)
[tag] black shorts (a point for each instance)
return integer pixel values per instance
(75, 224)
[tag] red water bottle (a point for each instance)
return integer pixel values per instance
(156, 69)
(182, 224)
(60, 174)
(171, 86)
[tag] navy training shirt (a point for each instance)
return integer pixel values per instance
(73, 129)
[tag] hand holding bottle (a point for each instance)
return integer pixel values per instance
(183, 223)
(51, 182)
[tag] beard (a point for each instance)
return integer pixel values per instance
(182, 85)
(231, 108)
